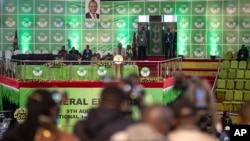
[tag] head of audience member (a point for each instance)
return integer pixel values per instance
(42, 107)
(199, 92)
(184, 113)
(134, 90)
(180, 82)
(93, 6)
(112, 97)
(244, 113)
(42, 103)
(159, 117)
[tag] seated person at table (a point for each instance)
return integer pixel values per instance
(62, 53)
(73, 51)
(87, 53)
(243, 54)
(120, 51)
(95, 58)
(108, 57)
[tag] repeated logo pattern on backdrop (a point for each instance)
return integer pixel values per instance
(205, 28)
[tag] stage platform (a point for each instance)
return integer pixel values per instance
(84, 94)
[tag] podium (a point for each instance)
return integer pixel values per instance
(118, 59)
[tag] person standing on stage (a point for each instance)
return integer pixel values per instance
(142, 43)
(174, 54)
(120, 51)
(168, 39)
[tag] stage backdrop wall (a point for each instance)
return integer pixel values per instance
(204, 27)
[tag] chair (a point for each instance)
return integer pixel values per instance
(239, 84)
(246, 96)
(37, 52)
(28, 52)
(228, 55)
(231, 74)
(55, 52)
(219, 106)
(220, 94)
(243, 65)
(248, 65)
(226, 64)
(247, 85)
(234, 64)
(238, 96)
(17, 52)
(240, 74)
(229, 95)
(45, 52)
(236, 106)
(235, 55)
(221, 84)
(247, 74)
(7, 54)
(223, 74)
(8, 64)
(230, 84)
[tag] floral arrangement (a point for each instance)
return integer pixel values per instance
(107, 64)
(152, 79)
(55, 64)
(20, 114)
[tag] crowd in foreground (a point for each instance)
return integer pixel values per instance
(192, 117)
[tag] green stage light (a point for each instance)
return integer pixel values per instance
(74, 33)
(213, 41)
(25, 41)
(74, 40)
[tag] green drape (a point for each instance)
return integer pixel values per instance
(11, 94)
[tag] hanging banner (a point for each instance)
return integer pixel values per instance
(156, 48)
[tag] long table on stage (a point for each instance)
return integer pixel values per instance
(68, 72)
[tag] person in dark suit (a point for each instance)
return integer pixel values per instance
(174, 54)
(87, 53)
(168, 39)
(142, 43)
(92, 10)
(74, 51)
(243, 54)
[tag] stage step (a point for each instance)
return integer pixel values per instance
(204, 68)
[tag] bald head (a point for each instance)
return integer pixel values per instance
(158, 117)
